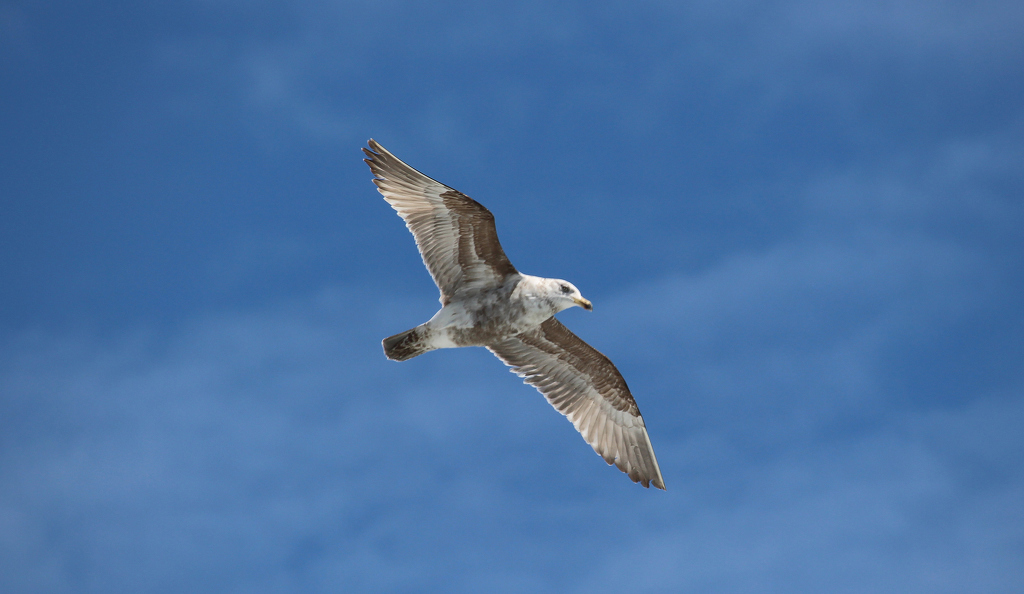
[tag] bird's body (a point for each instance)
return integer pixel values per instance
(487, 302)
(516, 305)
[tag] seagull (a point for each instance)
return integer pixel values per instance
(486, 302)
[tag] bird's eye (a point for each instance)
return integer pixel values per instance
(566, 289)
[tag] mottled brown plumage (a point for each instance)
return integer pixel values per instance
(487, 302)
(585, 386)
(455, 234)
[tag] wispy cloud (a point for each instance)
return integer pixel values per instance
(278, 444)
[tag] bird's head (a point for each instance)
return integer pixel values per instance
(565, 295)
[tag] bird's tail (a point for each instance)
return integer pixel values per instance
(406, 345)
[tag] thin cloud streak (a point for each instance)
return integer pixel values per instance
(265, 413)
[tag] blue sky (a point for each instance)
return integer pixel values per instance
(799, 222)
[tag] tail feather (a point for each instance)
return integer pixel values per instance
(406, 345)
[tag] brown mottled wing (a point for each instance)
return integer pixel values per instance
(454, 233)
(585, 386)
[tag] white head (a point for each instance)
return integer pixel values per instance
(563, 295)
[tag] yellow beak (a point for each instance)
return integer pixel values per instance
(585, 304)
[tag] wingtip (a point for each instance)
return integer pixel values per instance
(648, 483)
(655, 482)
(644, 481)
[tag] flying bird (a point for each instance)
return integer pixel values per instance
(486, 302)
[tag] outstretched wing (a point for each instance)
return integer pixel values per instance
(454, 233)
(585, 386)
